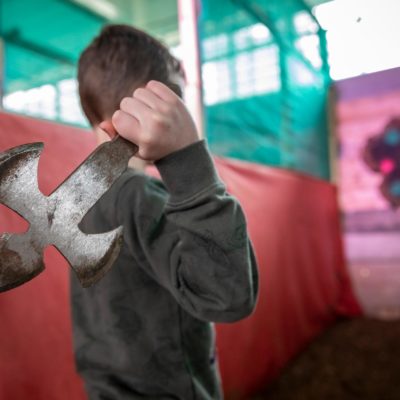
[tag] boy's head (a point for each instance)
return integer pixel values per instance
(117, 62)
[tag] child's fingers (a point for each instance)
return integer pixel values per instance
(162, 91)
(136, 108)
(126, 125)
(108, 127)
(147, 97)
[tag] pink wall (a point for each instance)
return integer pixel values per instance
(359, 119)
(372, 228)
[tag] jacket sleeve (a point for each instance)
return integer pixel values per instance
(195, 243)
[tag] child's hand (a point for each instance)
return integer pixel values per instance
(156, 120)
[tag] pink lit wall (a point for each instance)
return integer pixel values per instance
(366, 104)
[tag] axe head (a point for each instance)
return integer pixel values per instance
(16, 267)
(54, 219)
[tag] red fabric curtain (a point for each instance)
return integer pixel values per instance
(293, 223)
(36, 360)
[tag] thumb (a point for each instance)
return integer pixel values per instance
(108, 127)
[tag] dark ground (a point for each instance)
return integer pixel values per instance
(356, 359)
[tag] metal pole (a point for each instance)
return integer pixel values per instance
(2, 61)
(2, 69)
(189, 39)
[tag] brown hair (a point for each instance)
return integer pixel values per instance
(118, 61)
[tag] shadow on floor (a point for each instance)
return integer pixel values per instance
(354, 359)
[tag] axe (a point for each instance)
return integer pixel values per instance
(54, 219)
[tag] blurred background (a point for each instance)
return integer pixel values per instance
(306, 86)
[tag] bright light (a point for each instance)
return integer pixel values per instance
(308, 45)
(215, 46)
(101, 7)
(40, 101)
(217, 82)
(362, 35)
(304, 23)
(55, 102)
(260, 33)
(253, 68)
(252, 35)
(70, 110)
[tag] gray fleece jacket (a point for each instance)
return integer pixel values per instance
(144, 331)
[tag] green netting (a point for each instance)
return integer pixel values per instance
(42, 40)
(265, 83)
(265, 89)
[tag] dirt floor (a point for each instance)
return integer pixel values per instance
(355, 359)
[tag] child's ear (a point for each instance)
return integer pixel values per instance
(108, 127)
(104, 132)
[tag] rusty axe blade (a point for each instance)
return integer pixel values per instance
(54, 219)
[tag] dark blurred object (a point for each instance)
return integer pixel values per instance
(355, 359)
(382, 155)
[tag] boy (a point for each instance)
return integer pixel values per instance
(144, 330)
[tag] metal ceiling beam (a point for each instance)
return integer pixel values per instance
(307, 6)
(86, 10)
(2, 65)
(16, 39)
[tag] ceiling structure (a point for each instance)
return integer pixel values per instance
(43, 47)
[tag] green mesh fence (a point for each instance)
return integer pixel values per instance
(264, 70)
(265, 83)
(41, 40)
